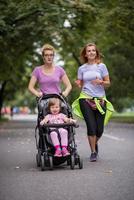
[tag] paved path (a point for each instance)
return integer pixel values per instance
(111, 178)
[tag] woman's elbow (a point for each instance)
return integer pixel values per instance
(29, 88)
(108, 84)
(69, 87)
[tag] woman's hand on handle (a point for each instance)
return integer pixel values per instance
(39, 94)
(64, 93)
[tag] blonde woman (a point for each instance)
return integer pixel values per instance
(49, 76)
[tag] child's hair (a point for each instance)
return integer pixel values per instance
(47, 47)
(53, 101)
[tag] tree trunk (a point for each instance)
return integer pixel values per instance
(76, 58)
(2, 89)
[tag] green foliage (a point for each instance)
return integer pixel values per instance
(24, 99)
(116, 39)
(68, 25)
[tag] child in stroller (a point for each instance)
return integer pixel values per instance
(58, 135)
(56, 128)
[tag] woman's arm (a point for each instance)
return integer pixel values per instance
(79, 83)
(31, 87)
(67, 84)
(105, 82)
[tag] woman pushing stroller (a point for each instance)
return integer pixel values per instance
(49, 77)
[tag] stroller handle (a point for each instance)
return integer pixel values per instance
(46, 96)
(61, 125)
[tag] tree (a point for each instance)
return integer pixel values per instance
(118, 45)
(67, 25)
(24, 26)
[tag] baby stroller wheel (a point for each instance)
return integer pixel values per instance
(68, 161)
(80, 163)
(43, 166)
(38, 159)
(72, 161)
(50, 162)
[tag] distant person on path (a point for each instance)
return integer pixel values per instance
(56, 117)
(93, 77)
(11, 111)
(49, 76)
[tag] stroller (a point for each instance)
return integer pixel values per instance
(45, 150)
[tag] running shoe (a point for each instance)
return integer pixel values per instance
(93, 157)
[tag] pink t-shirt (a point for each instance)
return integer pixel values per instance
(49, 84)
(56, 119)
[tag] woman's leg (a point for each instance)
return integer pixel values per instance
(100, 124)
(100, 127)
(92, 142)
(90, 119)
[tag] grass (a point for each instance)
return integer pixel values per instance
(126, 117)
(3, 119)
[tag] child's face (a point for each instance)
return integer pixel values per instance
(55, 109)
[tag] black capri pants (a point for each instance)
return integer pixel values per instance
(93, 118)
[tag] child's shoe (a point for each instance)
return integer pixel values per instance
(58, 152)
(65, 152)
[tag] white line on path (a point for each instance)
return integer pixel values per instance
(114, 138)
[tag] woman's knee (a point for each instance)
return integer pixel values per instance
(94, 131)
(91, 129)
(100, 131)
(91, 132)
(99, 134)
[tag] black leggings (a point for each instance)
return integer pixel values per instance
(93, 118)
